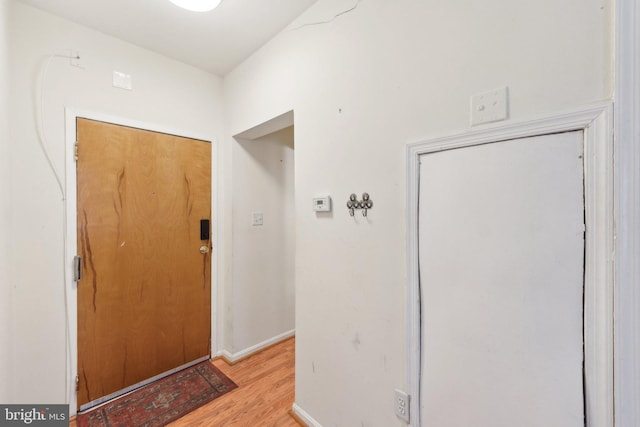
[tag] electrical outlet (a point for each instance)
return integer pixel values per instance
(401, 403)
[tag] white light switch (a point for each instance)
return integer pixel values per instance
(256, 218)
(122, 80)
(489, 106)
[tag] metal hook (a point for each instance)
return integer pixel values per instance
(354, 203)
(350, 207)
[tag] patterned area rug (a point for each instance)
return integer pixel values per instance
(163, 401)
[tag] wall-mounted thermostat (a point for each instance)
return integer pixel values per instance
(322, 204)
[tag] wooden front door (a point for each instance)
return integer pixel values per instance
(144, 301)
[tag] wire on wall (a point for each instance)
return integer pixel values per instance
(40, 125)
(42, 141)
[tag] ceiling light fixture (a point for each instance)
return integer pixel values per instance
(197, 5)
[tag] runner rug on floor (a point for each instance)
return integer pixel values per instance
(163, 401)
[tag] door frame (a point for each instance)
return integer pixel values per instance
(597, 124)
(627, 183)
(71, 250)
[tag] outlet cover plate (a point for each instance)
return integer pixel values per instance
(401, 403)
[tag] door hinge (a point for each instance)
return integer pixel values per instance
(75, 151)
(77, 268)
(77, 383)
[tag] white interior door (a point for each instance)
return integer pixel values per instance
(501, 249)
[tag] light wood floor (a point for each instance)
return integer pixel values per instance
(264, 395)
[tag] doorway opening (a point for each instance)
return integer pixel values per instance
(263, 217)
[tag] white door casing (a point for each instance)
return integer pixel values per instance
(596, 124)
(627, 207)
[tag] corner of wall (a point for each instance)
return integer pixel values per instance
(5, 196)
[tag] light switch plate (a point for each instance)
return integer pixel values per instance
(488, 107)
(256, 218)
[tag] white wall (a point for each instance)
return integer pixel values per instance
(362, 87)
(5, 203)
(166, 93)
(263, 256)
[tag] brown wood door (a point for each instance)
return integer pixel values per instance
(144, 301)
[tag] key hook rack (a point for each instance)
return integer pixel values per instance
(364, 204)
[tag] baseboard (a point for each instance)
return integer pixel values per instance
(302, 415)
(296, 418)
(232, 358)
